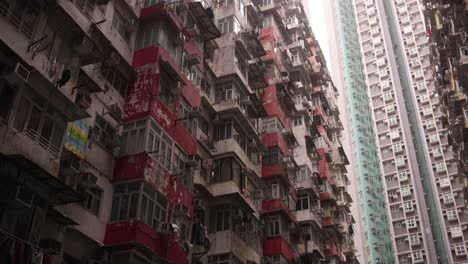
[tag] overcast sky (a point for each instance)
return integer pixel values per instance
(316, 13)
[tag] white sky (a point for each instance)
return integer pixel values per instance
(315, 10)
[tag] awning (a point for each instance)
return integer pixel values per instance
(204, 18)
(62, 193)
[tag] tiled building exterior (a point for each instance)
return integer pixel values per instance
(168, 132)
(422, 176)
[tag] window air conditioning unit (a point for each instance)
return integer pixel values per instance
(191, 161)
(180, 39)
(194, 112)
(285, 131)
(287, 160)
(169, 228)
(16, 74)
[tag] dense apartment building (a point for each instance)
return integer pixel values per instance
(144, 132)
(447, 28)
(374, 243)
(421, 176)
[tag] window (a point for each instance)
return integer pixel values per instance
(440, 167)
(227, 170)
(160, 34)
(103, 131)
(222, 218)
(242, 7)
(133, 138)
(392, 121)
(166, 88)
(452, 214)
(302, 202)
(183, 114)
(266, 2)
(460, 250)
(405, 191)
(414, 239)
(195, 76)
(408, 206)
(402, 175)
(400, 161)
(115, 78)
(120, 24)
(138, 200)
(228, 24)
(272, 157)
(397, 147)
(275, 191)
(417, 256)
(224, 92)
(274, 226)
(23, 14)
(268, 21)
(223, 131)
(7, 98)
(271, 125)
(303, 174)
(43, 122)
(219, 259)
(222, 3)
(298, 121)
(448, 197)
(411, 222)
(92, 199)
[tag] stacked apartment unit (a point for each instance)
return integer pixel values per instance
(421, 176)
(447, 28)
(168, 132)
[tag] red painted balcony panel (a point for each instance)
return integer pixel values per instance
(273, 170)
(322, 164)
(331, 249)
(325, 196)
(135, 232)
(327, 221)
(142, 166)
(271, 104)
(273, 205)
(324, 135)
(319, 112)
(279, 246)
(275, 139)
(162, 10)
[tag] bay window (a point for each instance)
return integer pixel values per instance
(160, 34)
(23, 14)
(229, 24)
(274, 226)
(138, 200)
(220, 219)
(302, 202)
(223, 131)
(165, 90)
(147, 136)
(225, 91)
(228, 170)
(103, 131)
(272, 157)
(271, 125)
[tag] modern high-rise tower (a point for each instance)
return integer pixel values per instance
(374, 243)
(418, 168)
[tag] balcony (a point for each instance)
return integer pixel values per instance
(309, 215)
(130, 232)
(235, 108)
(230, 188)
(229, 241)
(331, 251)
(274, 205)
(275, 139)
(279, 246)
(230, 146)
